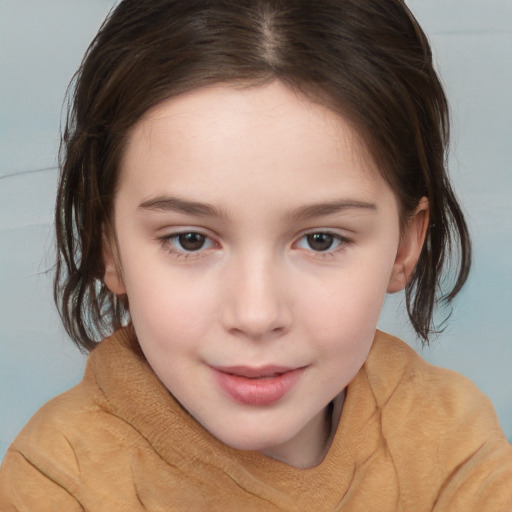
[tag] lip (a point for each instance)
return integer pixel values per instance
(257, 386)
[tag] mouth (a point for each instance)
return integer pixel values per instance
(257, 386)
(264, 372)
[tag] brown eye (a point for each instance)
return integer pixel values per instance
(191, 241)
(320, 241)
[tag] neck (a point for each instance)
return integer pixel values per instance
(309, 447)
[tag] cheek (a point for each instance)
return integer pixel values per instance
(343, 332)
(167, 305)
(350, 296)
(343, 314)
(343, 329)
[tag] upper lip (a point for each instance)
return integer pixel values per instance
(252, 372)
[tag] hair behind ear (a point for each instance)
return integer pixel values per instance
(447, 241)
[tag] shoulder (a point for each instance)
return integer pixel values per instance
(394, 367)
(41, 467)
(73, 443)
(441, 431)
(66, 428)
(407, 386)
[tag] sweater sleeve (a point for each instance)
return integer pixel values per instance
(482, 482)
(24, 488)
(442, 434)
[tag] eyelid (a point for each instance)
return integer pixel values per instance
(172, 231)
(343, 240)
(166, 241)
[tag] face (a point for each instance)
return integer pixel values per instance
(256, 241)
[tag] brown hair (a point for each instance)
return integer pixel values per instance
(367, 59)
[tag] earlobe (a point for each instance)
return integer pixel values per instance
(113, 276)
(409, 250)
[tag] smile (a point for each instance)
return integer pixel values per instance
(257, 386)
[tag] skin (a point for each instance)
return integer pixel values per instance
(258, 291)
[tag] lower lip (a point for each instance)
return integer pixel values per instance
(263, 391)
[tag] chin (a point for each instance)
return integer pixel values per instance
(254, 439)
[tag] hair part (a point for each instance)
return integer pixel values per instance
(368, 60)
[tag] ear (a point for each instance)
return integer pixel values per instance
(409, 250)
(113, 277)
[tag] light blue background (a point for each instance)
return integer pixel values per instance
(41, 44)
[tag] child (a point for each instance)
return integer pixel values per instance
(242, 183)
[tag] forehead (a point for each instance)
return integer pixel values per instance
(266, 137)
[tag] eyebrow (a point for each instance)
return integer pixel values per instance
(329, 208)
(176, 204)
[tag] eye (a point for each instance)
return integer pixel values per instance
(191, 241)
(321, 242)
(187, 242)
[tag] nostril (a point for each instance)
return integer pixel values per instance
(257, 330)
(255, 303)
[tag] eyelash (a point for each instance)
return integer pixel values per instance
(167, 244)
(342, 243)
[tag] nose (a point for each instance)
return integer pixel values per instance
(256, 304)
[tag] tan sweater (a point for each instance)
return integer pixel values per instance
(411, 437)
